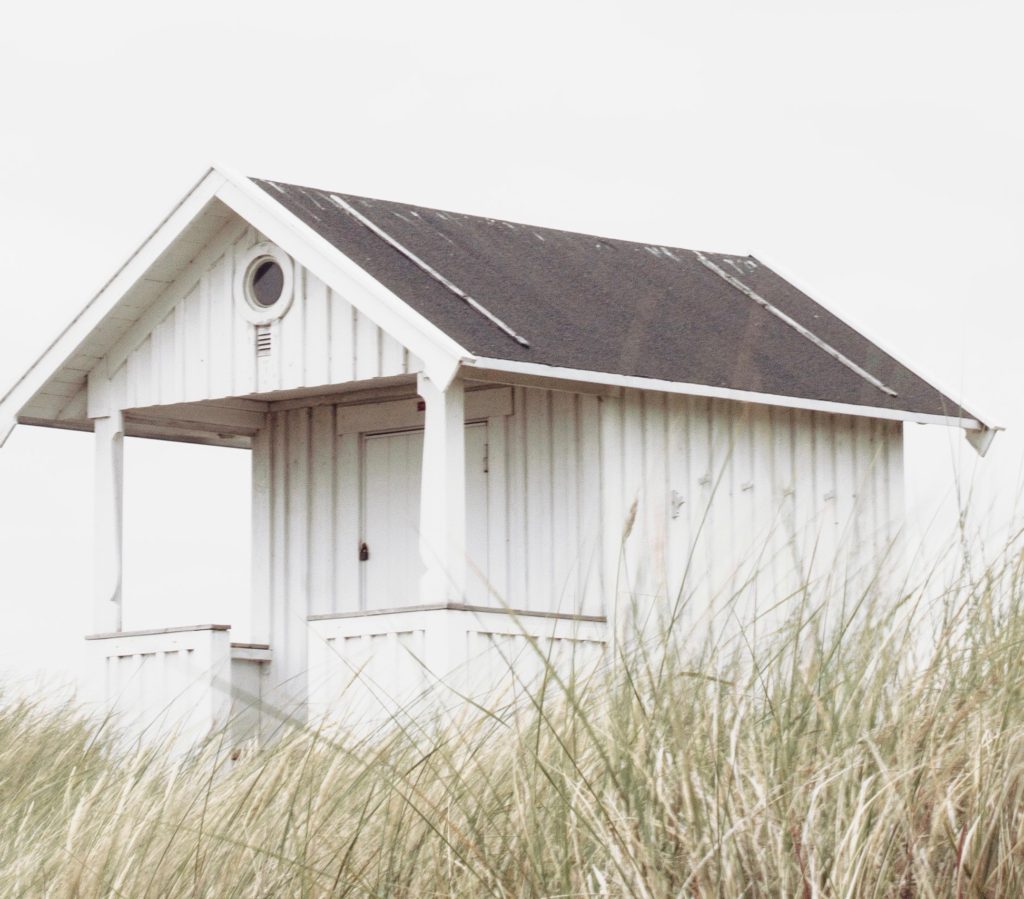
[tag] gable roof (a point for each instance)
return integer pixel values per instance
(468, 290)
(602, 305)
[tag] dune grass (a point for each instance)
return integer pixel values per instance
(881, 755)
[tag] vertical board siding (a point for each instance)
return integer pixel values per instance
(666, 507)
(366, 669)
(174, 688)
(203, 348)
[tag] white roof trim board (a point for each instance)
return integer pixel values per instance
(723, 393)
(106, 299)
(441, 354)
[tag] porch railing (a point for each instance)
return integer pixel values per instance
(179, 684)
(375, 665)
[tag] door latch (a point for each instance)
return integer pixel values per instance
(364, 553)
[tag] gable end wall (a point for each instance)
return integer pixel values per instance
(202, 348)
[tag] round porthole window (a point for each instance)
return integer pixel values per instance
(263, 283)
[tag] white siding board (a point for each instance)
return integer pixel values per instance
(518, 562)
(342, 340)
(392, 356)
(783, 427)
(292, 350)
(318, 331)
(243, 333)
(613, 513)
(635, 559)
(697, 494)
(589, 505)
(678, 535)
(565, 543)
(367, 351)
(826, 518)
(322, 512)
(222, 337)
(800, 499)
(180, 371)
(763, 506)
(497, 505)
(194, 344)
(538, 516)
(478, 514)
(348, 477)
(845, 492)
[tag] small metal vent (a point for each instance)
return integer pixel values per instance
(263, 341)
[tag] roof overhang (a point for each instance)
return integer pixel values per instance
(56, 381)
(498, 369)
(118, 311)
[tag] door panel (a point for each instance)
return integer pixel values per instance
(391, 509)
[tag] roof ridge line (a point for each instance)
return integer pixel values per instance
(794, 324)
(423, 266)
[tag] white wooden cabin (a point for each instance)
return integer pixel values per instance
(465, 430)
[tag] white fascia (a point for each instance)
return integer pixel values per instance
(441, 355)
(533, 369)
(108, 297)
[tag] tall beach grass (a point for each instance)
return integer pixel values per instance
(881, 754)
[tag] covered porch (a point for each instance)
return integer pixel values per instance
(379, 560)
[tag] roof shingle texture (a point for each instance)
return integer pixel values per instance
(610, 306)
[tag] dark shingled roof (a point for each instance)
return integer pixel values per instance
(611, 306)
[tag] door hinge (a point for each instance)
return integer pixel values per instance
(487, 458)
(364, 553)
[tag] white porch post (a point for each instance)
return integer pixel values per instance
(443, 493)
(109, 500)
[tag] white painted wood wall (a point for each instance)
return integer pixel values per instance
(377, 667)
(720, 490)
(193, 345)
(564, 468)
(591, 502)
(165, 683)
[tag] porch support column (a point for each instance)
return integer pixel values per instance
(443, 493)
(109, 507)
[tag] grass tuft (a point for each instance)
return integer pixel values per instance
(877, 755)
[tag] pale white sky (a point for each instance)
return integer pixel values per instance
(871, 150)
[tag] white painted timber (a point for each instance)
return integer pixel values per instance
(391, 473)
(671, 506)
(442, 534)
(195, 345)
(108, 521)
(172, 687)
(375, 668)
(537, 374)
(178, 238)
(251, 717)
(653, 510)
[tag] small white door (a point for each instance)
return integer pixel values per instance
(392, 566)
